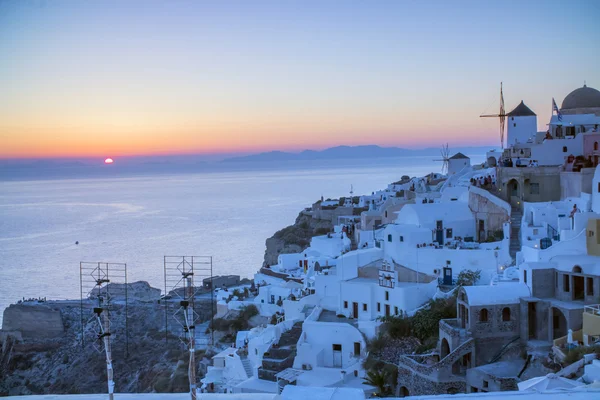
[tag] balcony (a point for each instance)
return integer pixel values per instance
(591, 324)
(593, 309)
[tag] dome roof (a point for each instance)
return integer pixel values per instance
(584, 97)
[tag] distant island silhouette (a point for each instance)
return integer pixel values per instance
(352, 152)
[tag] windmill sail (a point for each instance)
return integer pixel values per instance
(445, 157)
(501, 115)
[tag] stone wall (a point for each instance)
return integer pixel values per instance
(486, 210)
(486, 382)
(417, 385)
(548, 179)
(495, 326)
(33, 321)
(542, 282)
(488, 348)
(450, 331)
(421, 379)
(543, 328)
(440, 371)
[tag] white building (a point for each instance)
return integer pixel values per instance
(331, 342)
(521, 125)
(275, 294)
(457, 163)
(385, 290)
(445, 221)
(572, 134)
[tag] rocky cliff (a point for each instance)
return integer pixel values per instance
(33, 321)
(42, 351)
(295, 238)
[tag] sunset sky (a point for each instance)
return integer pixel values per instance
(111, 78)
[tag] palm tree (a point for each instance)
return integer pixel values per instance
(378, 379)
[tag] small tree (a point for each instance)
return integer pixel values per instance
(379, 379)
(468, 277)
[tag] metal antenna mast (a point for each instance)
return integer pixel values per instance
(501, 115)
(103, 283)
(180, 294)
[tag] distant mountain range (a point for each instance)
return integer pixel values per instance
(353, 152)
(192, 161)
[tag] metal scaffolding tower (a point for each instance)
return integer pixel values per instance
(179, 298)
(103, 288)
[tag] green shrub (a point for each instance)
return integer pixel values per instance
(428, 345)
(220, 324)
(425, 323)
(321, 231)
(578, 353)
(398, 327)
(248, 312)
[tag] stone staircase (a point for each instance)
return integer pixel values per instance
(247, 367)
(515, 231)
(280, 356)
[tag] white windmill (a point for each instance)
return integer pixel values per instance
(445, 158)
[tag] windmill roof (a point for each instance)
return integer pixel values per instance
(521, 111)
(458, 156)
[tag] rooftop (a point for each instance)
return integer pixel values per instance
(583, 97)
(508, 293)
(521, 111)
(502, 369)
(292, 392)
(458, 156)
(331, 316)
(375, 281)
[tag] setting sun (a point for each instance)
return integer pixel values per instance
(108, 161)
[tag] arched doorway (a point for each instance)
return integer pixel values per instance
(491, 162)
(404, 392)
(559, 324)
(513, 192)
(444, 348)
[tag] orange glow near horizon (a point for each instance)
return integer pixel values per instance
(86, 137)
(87, 79)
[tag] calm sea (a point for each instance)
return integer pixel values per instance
(137, 218)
